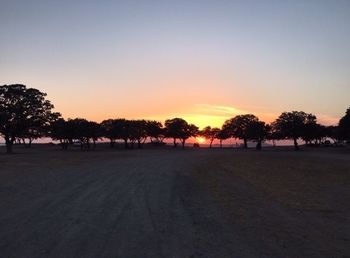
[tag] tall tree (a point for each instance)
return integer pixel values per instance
(22, 109)
(292, 125)
(238, 126)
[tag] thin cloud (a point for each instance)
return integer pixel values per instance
(218, 110)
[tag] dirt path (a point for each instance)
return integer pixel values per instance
(146, 204)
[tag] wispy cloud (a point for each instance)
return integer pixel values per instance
(218, 110)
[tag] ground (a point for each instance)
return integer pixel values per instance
(175, 203)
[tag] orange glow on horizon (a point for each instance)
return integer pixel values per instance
(201, 115)
(200, 139)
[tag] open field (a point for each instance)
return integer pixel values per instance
(175, 203)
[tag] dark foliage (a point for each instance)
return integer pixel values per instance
(24, 113)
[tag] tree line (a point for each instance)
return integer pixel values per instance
(26, 114)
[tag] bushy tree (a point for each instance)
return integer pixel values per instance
(59, 131)
(115, 129)
(178, 128)
(238, 126)
(292, 125)
(38, 129)
(210, 133)
(137, 132)
(24, 112)
(155, 131)
(314, 133)
(223, 134)
(332, 132)
(257, 131)
(75, 130)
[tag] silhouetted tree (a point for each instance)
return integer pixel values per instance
(23, 111)
(237, 126)
(37, 128)
(344, 126)
(292, 125)
(210, 133)
(108, 131)
(257, 131)
(95, 132)
(223, 134)
(314, 133)
(59, 132)
(115, 129)
(137, 132)
(332, 132)
(155, 131)
(178, 128)
(78, 129)
(72, 130)
(174, 127)
(189, 131)
(274, 134)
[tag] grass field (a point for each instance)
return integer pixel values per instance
(175, 203)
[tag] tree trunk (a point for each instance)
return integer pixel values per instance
(183, 143)
(296, 146)
(111, 143)
(30, 142)
(9, 144)
(125, 143)
(93, 144)
(220, 143)
(139, 144)
(211, 143)
(88, 143)
(175, 143)
(258, 145)
(245, 143)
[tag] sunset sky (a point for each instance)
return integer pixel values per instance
(203, 60)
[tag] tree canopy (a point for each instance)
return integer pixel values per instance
(238, 126)
(210, 133)
(292, 125)
(25, 112)
(178, 128)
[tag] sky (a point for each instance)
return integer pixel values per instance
(205, 61)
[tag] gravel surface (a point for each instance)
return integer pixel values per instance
(175, 203)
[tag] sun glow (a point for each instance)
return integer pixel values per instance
(200, 139)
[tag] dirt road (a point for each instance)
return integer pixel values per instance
(173, 203)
